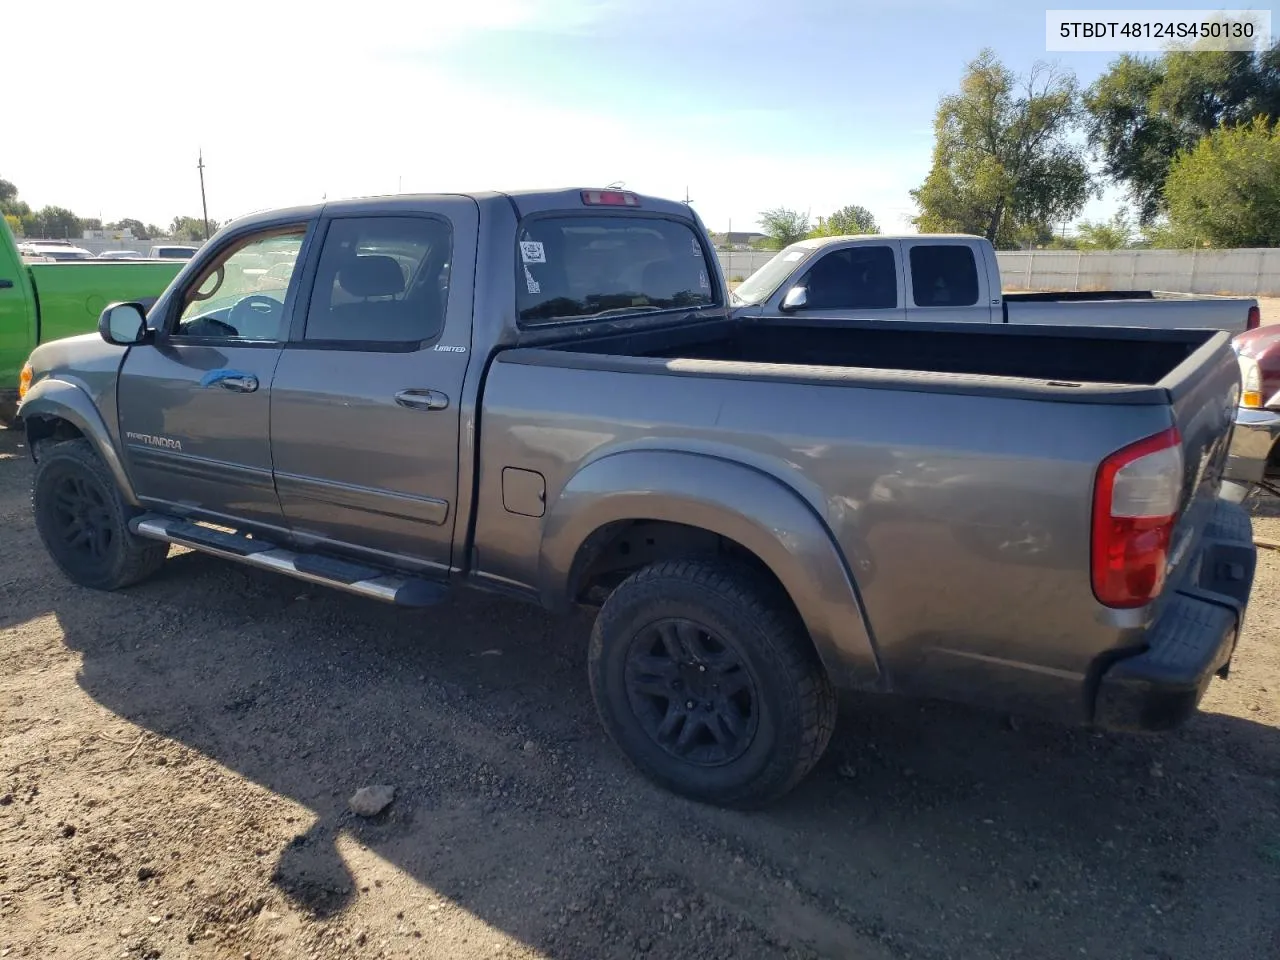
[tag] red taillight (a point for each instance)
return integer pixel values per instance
(1254, 319)
(1135, 506)
(609, 198)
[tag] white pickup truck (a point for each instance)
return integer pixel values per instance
(955, 277)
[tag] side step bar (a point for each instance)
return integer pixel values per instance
(384, 585)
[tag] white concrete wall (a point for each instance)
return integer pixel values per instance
(1245, 272)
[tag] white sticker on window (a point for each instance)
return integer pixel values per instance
(697, 250)
(703, 281)
(534, 286)
(532, 252)
(793, 255)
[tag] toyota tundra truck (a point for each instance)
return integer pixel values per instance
(545, 395)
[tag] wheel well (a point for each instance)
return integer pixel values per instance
(617, 550)
(41, 429)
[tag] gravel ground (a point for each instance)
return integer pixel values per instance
(176, 762)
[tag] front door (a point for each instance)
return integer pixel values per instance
(857, 280)
(195, 404)
(366, 398)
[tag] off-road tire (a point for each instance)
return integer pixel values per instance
(796, 705)
(68, 472)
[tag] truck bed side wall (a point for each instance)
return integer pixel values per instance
(963, 519)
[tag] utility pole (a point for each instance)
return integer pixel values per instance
(687, 201)
(204, 207)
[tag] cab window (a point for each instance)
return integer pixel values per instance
(241, 293)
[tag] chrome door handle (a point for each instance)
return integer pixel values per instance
(228, 379)
(239, 384)
(422, 399)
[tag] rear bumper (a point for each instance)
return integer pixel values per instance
(1252, 440)
(1193, 638)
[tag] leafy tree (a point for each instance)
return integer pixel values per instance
(853, 218)
(783, 227)
(15, 223)
(191, 228)
(10, 205)
(1227, 190)
(136, 227)
(1143, 112)
(1002, 160)
(153, 231)
(90, 223)
(1113, 234)
(53, 223)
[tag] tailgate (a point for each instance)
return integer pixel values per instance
(1204, 389)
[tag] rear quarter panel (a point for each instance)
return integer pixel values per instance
(72, 295)
(964, 520)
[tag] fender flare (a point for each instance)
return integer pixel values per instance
(742, 503)
(62, 400)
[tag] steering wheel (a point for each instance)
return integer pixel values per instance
(256, 317)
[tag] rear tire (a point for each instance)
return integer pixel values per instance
(84, 521)
(705, 679)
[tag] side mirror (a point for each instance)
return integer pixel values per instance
(796, 298)
(123, 324)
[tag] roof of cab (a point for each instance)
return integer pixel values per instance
(812, 243)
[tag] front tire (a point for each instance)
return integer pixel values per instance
(705, 679)
(84, 521)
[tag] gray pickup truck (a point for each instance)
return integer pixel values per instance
(546, 395)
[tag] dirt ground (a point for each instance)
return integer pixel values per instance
(176, 762)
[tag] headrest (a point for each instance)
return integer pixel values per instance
(371, 276)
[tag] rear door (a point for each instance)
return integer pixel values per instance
(860, 280)
(195, 404)
(946, 280)
(366, 397)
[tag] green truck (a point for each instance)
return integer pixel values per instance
(44, 301)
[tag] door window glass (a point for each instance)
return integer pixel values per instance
(241, 294)
(943, 275)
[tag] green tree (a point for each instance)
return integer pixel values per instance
(1113, 234)
(1143, 112)
(136, 227)
(1226, 191)
(783, 227)
(191, 228)
(1003, 162)
(54, 223)
(15, 223)
(8, 191)
(853, 218)
(90, 223)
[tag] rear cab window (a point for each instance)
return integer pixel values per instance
(576, 267)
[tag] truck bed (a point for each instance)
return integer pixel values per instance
(1064, 356)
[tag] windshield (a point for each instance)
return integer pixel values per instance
(760, 285)
(577, 267)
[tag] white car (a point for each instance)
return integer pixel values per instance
(120, 255)
(171, 252)
(54, 250)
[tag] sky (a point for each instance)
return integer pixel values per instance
(811, 104)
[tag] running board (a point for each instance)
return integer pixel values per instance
(353, 577)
